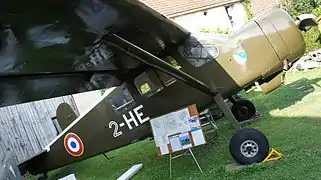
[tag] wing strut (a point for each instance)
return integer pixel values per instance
(153, 61)
(150, 59)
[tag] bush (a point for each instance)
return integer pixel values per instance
(215, 31)
(311, 38)
(247, 7)
(298, 7)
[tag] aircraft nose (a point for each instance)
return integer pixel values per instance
(288, 40)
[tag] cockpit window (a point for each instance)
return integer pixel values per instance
(196, 53)
(123, 100)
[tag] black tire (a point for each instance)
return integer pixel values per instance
(243, 110)
(249, 135)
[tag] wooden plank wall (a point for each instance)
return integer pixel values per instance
(25, 129)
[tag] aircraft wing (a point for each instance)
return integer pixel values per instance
(55, 48)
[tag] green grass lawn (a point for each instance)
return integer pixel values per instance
(290, 119)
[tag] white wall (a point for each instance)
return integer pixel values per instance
(85, 100)
(238, 13)
(215, 18)
(25, 129)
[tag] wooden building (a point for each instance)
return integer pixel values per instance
(25, 129)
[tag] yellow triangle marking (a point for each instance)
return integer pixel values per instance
(273, 155)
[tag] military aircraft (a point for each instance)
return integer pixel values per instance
(55, 48)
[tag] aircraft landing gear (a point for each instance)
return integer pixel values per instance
(249, 146)
(242, 109)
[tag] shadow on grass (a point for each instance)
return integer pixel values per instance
(286, 95)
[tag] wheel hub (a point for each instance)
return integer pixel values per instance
(243, 111)
(249, 148)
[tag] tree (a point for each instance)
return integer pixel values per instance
(297, 7)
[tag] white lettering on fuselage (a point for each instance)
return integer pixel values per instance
(140, 114)
(130, 120)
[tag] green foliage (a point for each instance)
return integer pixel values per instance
(215, 31)
(205, 30)
(102, 91)
(311, 38)
(221, 31)
(247, 6)
(298, 7)
(317, 11)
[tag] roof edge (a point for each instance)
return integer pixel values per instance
(173, 15)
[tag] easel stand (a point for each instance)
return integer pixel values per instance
(187, 152)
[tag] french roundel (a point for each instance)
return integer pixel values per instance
(73, 144)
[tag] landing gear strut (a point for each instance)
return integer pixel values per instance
(247, 146)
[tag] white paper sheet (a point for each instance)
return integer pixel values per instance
(177, 122)
(175, 143)
(158, 127)
(198, 137)
(161, 140)
(164, 149)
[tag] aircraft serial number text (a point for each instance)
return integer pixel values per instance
(129, 120)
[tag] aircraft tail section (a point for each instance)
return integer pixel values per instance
(98, 130)
(65, 115)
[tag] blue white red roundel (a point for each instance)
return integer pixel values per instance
(73, 144)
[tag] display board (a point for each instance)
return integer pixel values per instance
(177, 131)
